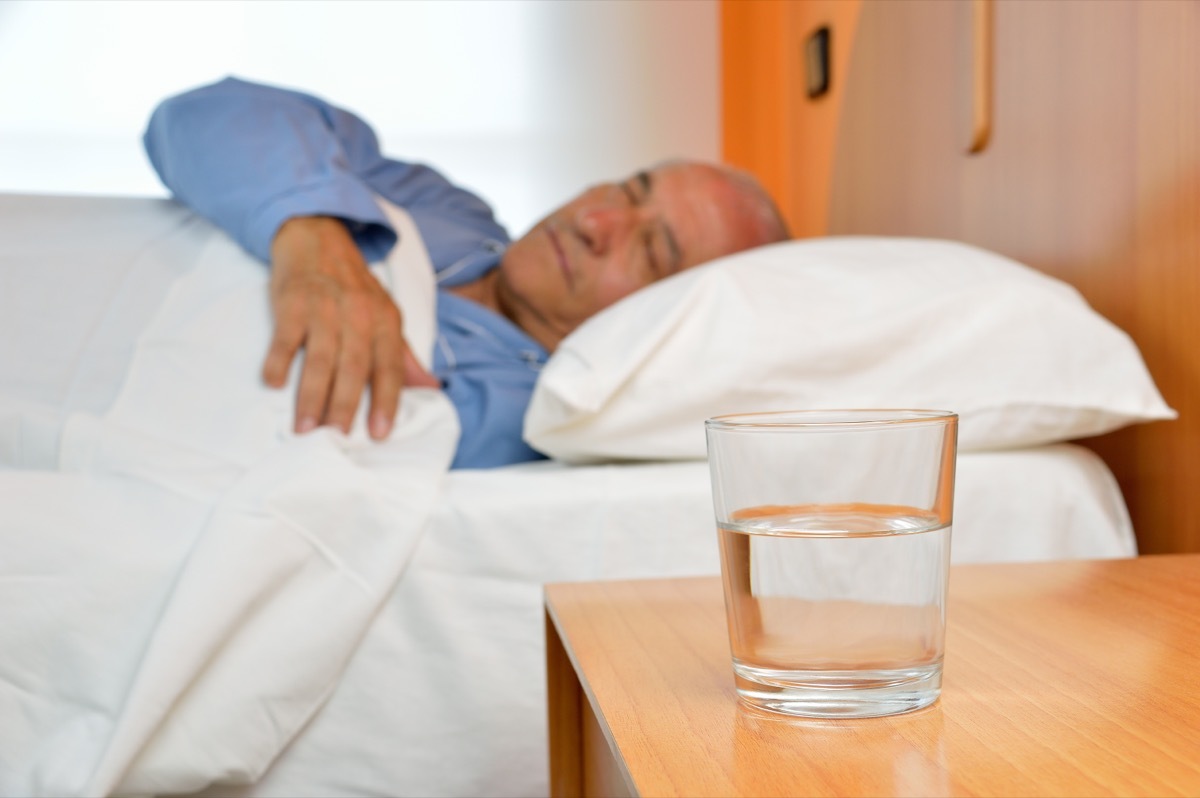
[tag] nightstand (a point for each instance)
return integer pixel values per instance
(1066, 678)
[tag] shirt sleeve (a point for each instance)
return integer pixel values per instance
(248, 157)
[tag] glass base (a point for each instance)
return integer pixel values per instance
(839, 694)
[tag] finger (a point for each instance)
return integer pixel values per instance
(285, 342)
(387, 380)
(353, 367)
(320, 355)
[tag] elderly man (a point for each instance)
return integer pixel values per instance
(294, 179)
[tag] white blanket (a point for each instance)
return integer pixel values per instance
(182, 594)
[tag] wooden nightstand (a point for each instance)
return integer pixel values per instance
(1074, 678)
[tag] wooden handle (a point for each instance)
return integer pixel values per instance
(982, 13)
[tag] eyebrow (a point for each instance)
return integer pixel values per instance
(646, 181)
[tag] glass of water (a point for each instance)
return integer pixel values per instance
(834, 528)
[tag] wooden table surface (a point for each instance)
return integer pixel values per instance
(1077, 678)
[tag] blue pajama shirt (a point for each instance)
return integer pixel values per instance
(249, 157)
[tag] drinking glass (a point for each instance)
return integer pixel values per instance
(834, 530)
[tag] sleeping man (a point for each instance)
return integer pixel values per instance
(294, 179)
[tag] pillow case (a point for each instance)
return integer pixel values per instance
(841, 322)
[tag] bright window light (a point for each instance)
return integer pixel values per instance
(524, 101)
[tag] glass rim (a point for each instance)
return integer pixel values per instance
(830, 418)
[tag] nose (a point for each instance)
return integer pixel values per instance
(604, 222)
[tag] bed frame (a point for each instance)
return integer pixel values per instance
(1065, 135)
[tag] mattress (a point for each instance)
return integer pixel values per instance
(444, 694)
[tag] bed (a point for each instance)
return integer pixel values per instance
(196, 600)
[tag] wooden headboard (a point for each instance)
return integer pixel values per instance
(1089, 118)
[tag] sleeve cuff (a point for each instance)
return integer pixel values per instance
(346, 199)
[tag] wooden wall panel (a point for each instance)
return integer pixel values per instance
(769, 124)
(1092, 175)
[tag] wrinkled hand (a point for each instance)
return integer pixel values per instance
(325, 299)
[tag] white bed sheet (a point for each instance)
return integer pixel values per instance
(445, 696)
(183, 579)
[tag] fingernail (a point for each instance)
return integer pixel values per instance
(380, 426)
(305, 425)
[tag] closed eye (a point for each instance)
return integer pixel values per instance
(648, 236)
(648, 239)
(656, 264)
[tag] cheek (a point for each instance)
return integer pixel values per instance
(612, 288)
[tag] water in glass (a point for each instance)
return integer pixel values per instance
(836, 610)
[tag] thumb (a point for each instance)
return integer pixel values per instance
(415, 375)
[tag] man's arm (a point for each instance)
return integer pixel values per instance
(249, 157)
(282, 173)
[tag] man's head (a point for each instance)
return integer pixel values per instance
(615, 238)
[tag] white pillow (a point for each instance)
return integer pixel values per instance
(841, 323)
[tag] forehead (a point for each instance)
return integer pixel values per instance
(706, 212)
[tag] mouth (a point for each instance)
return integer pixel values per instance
(561, 256)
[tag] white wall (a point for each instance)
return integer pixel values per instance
(524, 101)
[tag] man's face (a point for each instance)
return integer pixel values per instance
(615, 238)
